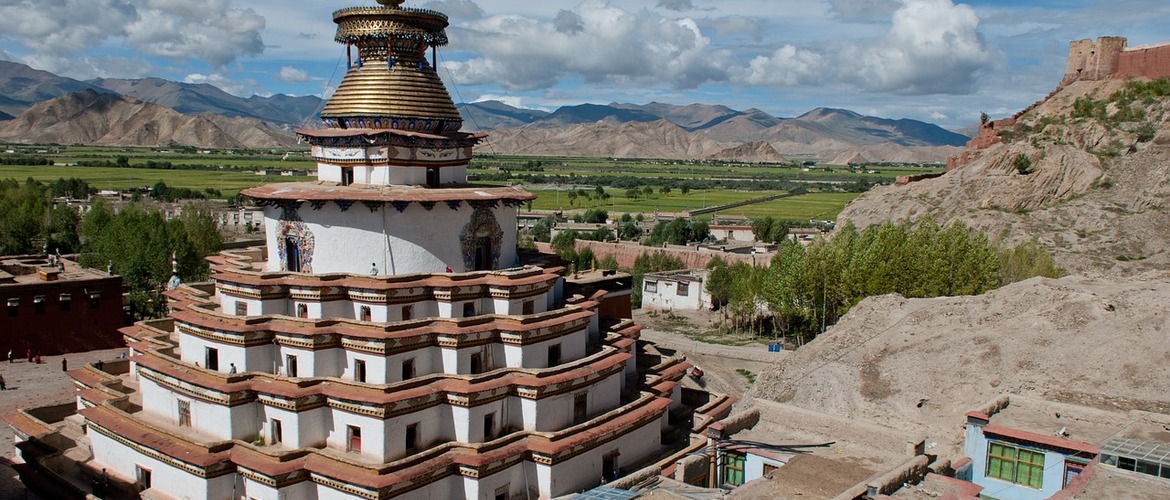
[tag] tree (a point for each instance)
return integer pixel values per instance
(564, 244)
(719, 280)
(1022, 163)
(633, 193)
(543, 228)
(762, 228)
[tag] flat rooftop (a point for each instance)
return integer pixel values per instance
(1081, 423)
(27, 269)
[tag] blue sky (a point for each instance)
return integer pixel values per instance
(934, 60)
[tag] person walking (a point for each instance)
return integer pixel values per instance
(11, 356)
(3, 384)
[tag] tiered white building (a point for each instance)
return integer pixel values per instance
(387, 342)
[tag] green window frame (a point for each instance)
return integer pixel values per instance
(733, 465)
(1015, 464)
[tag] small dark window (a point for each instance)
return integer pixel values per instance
(411, 438)
(184, 413)
(302, 310)
(476, 363)
(489, 426)
(366, 314)
(684, 289)
(211, 358)
(142, 478)
(277, 432)
(241, 308)
(554, 355)
(468, 309)
(290, 365)
(432, 177)
(95, 299)
(346, 176)
(39, 304)
(651, 286)
(13, 307)
(65, 300)
(580, 407)
(359, 370)
(354, 444)
(408, 369)
(528, 307)
(407, 312)
(609, 466)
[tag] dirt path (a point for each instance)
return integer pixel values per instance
(718, 362)
(33, 385)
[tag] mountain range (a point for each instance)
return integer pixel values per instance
(617, 129)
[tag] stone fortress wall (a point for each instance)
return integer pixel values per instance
(1107, 58)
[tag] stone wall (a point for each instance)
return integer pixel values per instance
(691, 258)
(1109, 57)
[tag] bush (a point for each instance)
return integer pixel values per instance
(1022, 163)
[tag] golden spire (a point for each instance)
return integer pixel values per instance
(390, 83)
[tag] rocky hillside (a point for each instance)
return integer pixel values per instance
(1086, 171)
(658, 139)
(757, 152)
(921, 364)
(107, 119)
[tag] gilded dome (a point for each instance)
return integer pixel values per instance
(390, 83)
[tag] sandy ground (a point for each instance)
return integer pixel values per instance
(921, 364)
(33, 385)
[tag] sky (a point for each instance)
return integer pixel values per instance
(939, 61)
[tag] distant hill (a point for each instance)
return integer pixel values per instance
(488, 115)
(757, 152)
(89, 117)
(824, 132)
(22, 86)
(657, 139)
(191, 99)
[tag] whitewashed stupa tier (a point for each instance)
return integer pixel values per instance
(386, 342)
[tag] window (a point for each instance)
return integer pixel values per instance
(406, 312)
(432, 177)
(684, 289)
(346, 176)
(408, 369)
(211, 358)
(502, 492)
(290, 365)
(241, 308)
(609, 466)
(528, 307)
(733, 469)
(13, 306)
(1015, 465)
(277, 432)
(65, 300)
(651, 286)
(359, 370)
(302, 310)
(366, 315)
(292, 254)
(95, 299)
(554, 355)
(39, 304)
(489, 426)
(354, 443)
(476, 363)
(468, 309)
(142, 477)
(184, 413)
(411, 438)
(769, 468)
(580, 407)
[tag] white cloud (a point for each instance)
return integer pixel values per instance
(215, 31)
(292, 75)
(933, 46)
(677, 5)
(865, 11)
(457, 9)
(595, 42)
(787, 66)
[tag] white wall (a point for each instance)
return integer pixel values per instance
(667, 298)
(121, 461)
(413, 241)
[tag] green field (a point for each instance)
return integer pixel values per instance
(675, 201)
(819, 206)
(229, 182)
(711, 183)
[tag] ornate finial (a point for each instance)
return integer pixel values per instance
(175, 280)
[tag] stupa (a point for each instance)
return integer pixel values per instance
(387, 342)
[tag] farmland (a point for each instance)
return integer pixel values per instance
(562, 183)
